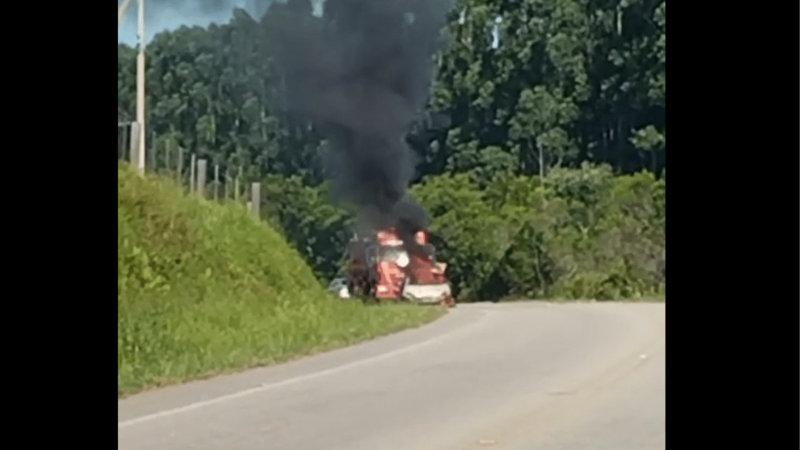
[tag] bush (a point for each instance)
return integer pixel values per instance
(468, 235)
(578, 232)
(317, 229)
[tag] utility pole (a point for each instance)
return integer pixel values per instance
(140, 89)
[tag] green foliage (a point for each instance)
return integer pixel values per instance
(204, 288)
(464, 230)
(576, 233)
(316, 228)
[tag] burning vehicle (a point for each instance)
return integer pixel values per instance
(380, 266)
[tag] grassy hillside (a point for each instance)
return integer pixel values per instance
(205, 288)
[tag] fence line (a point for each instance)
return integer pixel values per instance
(159, 158)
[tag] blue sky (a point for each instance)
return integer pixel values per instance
(161, 18)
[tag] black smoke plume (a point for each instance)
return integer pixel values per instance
(362, 74)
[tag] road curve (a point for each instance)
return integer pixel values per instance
(503, 376)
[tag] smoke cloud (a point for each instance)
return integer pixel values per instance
(362, 74)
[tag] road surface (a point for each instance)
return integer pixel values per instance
(573, 376)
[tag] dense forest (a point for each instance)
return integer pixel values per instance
(541, 148)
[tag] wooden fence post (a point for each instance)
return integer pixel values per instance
(191, 173)
(216, 180)
(255, 198)
(167, 153)
(179, 176)
(227, 185)
(201, 177)
(236, 185)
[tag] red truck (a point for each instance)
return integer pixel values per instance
(380, 266)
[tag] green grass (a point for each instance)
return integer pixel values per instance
(205, 288)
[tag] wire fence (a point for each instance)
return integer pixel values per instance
(195, 175)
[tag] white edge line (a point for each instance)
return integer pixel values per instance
(277, 384)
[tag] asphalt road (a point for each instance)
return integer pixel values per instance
(582, 376)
